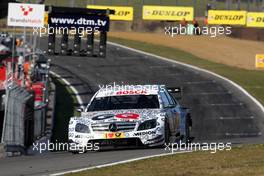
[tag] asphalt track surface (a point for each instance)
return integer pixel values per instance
(220, 111)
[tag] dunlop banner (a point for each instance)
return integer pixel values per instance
(255, 19)
(260, 61)
(123, 13)
(170, 13)
(227, 17)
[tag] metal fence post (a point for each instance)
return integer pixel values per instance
(248, 5)
(194, 5)
(228, 4)
(259, 8)
(238, 4)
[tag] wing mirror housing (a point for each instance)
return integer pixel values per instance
(80, 109)
(176, 92)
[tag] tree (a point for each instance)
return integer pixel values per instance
(4, 8)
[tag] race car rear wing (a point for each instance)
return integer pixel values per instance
(175, 91)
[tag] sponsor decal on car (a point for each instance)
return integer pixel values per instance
(127, 116)
(71, 129)
(131, 92)
(115, 135)
(89, 137)
(144, 133)
(103, 116)
(71, 134)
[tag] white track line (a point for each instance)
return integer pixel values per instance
(75, 91)
(194, 68)
(116, 163)
(236, 118)
(243, 134)
(209, 93)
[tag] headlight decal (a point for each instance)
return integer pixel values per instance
(82, 128)
(148, 124)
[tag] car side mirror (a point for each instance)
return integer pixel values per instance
(176, 92)
(80, 109)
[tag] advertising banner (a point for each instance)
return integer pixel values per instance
(167, 13)
(260, 61)
(100, 23)
(122, 13)
(46, 18)
(28, 15)
(255, 19)
(225, 17)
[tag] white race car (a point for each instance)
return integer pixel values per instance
(145, 115)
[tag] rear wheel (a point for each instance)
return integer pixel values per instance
(188, 124)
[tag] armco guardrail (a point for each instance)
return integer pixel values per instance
(2, 151)
(19, 117)
(26, 105)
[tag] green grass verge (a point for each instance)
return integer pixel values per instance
(65, 103)
(242, 161)
(252, 81)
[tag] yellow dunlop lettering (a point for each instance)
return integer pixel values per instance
(167, 13)
(122, 13)
(255, 19)
(225, 17)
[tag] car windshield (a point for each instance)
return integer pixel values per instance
(124, 102)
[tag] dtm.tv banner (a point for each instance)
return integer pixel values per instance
(97, 23)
